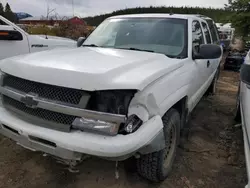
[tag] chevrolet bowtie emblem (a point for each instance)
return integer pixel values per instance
(29, 101)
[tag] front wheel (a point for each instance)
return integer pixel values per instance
(157, 166)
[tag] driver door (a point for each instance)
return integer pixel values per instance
(12, 42)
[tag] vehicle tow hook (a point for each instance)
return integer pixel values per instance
(71, 164)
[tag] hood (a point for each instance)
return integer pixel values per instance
(51, 41)
(48, 37)
(92, 69)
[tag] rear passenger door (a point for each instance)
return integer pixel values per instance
(212, 64)
(215, 39)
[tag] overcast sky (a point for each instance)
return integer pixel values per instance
(93, 7)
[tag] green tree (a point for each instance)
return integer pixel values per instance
(1, 9)
(241, 17)
(9, 14)
(218, 15)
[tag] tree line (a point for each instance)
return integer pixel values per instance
(236, 12)
(218, 15)
(7, 12)
(241, 17)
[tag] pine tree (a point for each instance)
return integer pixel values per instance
(241, 18)
(9, 14)
(1, 9)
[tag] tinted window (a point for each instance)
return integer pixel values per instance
(160, 35)
(2, 23)
(207, 34)
(198, 37)
(214, 31)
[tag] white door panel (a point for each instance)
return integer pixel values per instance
(9, 48)
(245, 105)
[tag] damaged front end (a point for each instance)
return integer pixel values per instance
(112, 107)
(122, 128)
(66, 109)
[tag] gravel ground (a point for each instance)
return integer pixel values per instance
(210, 156)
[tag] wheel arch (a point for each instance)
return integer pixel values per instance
(179, 101)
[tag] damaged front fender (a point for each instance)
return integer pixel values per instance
(144, 106)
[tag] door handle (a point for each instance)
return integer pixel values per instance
(208, 63)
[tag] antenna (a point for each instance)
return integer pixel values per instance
(73, 8)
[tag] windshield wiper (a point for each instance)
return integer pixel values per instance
(176, 57)
(90, 45)
(136, 49)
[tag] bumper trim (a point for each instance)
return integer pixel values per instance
(34, 146)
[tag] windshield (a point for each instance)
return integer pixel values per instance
(159, 35)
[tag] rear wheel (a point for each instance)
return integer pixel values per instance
(157, 166)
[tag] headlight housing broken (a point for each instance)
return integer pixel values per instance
(114, 102)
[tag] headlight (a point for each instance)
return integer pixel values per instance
(97, 126)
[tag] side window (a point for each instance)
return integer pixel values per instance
(198, 37)
(207, 34)
(214, 31)
(2, 23)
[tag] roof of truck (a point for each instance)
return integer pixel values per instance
(169, 15)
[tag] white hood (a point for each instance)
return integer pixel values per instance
(92, 68)
(48, 37)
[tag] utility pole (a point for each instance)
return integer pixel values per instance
(73, 8)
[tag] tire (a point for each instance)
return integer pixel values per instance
(212, 88)
(237, 116)
(157, 166)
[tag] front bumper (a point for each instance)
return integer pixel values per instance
(73, 144)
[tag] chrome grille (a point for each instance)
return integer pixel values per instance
(39, 116)
(62, 94)
(42, 114)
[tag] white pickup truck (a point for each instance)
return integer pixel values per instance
(15, 41)
(126, 91)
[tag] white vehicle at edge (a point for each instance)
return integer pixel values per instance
(243, 107)
(15, 41)
(127, 91)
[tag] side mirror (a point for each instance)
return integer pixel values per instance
(10, 35)
(80, 41)
(208, 51)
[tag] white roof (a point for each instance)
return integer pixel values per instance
(181, 16)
